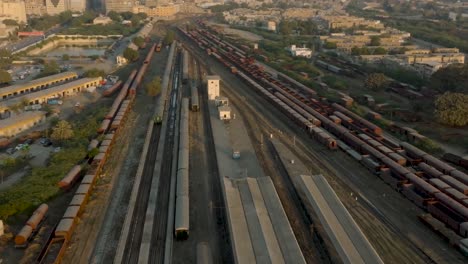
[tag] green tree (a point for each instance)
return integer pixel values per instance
(153, 88)
(452, 109)
(65, 57)
(10, 22)
(376, 81)
(62, 131)
(330, 45)
(375, 41)
(50, 68)
(380, 51)
(139, 41)
(114, 16)
(169, 38)
(285, 27)
(130, 54)
(5, 77)
(452, 78)
(94, 73)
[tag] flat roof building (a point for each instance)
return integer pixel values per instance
(212, 82)
(54, 92)
(35, 85)
(12, 126)
(224, 112)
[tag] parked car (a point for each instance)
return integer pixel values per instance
(29, 141)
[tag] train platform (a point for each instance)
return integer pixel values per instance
(259, 228)
(347, 238)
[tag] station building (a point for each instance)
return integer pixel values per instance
(212, 82)
(36, 85)
(42, 96)
(13, 126)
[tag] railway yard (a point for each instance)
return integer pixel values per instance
(255, 168)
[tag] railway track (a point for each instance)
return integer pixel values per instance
(158, 237)
(223, 243)
(136, 228)
(329, 166)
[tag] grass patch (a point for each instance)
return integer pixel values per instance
(40, 185)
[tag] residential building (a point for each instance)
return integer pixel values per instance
(54, 7)
(76, 5)
(35, 7)
(119, 5)
(158, 11)
(13, 9)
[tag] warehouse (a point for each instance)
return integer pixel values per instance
(36, 85)
(12, 126)
(42, 96)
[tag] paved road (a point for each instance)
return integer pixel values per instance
(32, 40)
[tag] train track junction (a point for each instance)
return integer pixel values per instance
(239, 164)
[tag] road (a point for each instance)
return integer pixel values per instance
(14, 47)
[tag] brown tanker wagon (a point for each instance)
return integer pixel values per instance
(112, 89)
(35, 220)
(42, 209)
(65, 228)
(70, 178)
(22, 237)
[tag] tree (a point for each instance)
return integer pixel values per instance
(139, 41)
(130, 54)
(154, 87)
(330, 45)
(380, 51)
(10, 22)
(62, 131)
(91, 73)
(376, 81)
(50, 68)
(65, 57)
(114, 16)
(285, 27)
(452, 109)
(452, 78)
(375, 41)
(5, 77)
(169, 38)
